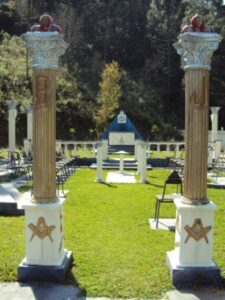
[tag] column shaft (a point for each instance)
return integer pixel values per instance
(44, 135)
(196, 136)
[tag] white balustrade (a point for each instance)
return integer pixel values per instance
(81, 148)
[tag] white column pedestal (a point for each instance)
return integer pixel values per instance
(12, 124)
(121, 164)
(104, 149)
(191, 260)
(44, 236)
(99, 163)
(143, 162)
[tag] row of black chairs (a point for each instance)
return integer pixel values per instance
(20, 164)
(65, 167)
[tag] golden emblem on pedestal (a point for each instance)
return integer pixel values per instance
(41, 229)
(197, 231)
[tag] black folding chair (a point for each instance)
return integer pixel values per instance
(173, 179)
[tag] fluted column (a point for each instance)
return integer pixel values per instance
(46, 259)
(196, 50)
(12, 124)
(45, 48)
(191, 260)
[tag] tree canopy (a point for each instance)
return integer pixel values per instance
(133, 36)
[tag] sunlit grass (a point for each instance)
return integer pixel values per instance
(116, 253)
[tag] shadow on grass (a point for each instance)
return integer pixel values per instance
(109, 184)
(152, 184)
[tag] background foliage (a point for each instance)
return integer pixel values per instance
(138, 35)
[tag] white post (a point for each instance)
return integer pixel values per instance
(99, 163)
(136, 150)
(214, 120)
(158, 151)
(167, 150)
(84, 150)
(121, 163)
(12, 124)
(148, 149)
(104, 149)
(138, 153)
(29, 111)
(93, 150)
(143, 162)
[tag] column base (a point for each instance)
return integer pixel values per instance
(99, 180)
(27, 272)
(183, 276)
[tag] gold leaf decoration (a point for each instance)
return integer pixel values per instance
(197, 231)
(41, 229)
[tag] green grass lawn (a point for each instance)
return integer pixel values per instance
(116, 253)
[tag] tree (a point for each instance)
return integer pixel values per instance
(15, 82)
(163, 66)
(109, 94)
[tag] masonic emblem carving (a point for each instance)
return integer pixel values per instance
(197, 231)
(41, 229)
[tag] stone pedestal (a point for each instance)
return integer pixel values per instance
(46, 259)
(12, 124)
(192, 257)
(191, 260)
(44, 242)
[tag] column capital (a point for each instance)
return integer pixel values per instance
(28, 108)
(215, 109)
(45, 48)
(196, 49)
(11, 104)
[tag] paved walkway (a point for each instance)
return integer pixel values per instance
(117, 177)
(45, 291)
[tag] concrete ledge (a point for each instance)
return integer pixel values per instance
(164, 224)
(57, 274)
(10, 209)
(192, 276)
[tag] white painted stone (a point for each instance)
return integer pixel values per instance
(164, 224)
(118, 177)
(29, 111)
(143, 162)
(104, 149)
(99, 163)
(12, 124)
(214, 120)
(44, 251)
(138, 153)
(121, 138)
(189, 252)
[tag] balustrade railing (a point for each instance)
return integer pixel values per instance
(88, 148)
(166, 149)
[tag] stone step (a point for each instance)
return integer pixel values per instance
(10, 200)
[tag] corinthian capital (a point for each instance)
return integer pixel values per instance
(196, 49)
(11, 104)
(45, 48)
